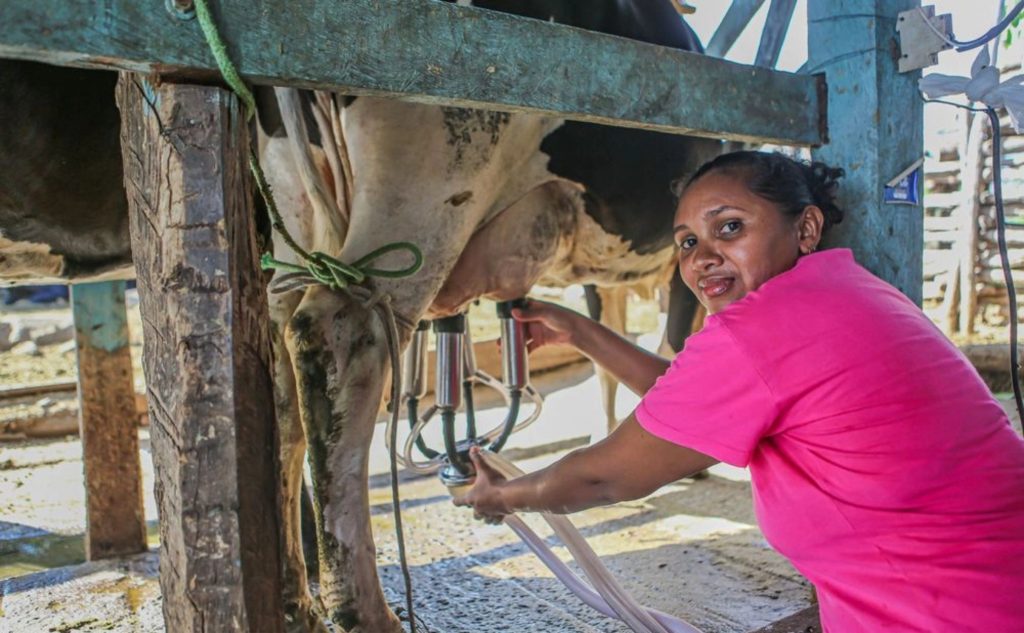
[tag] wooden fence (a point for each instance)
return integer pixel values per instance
(963, 281)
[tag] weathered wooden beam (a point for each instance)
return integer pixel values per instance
(108, 423)
(736, 19)
(876, 131)
(780, 15)
(206, 356)
(432, 52)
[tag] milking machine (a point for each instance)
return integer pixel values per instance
(456, 376)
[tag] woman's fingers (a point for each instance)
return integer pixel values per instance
(484, 495)
(535, 311)
(489, 519)
(485, 475)
(479, 465)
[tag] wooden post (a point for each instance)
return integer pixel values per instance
(206, 356)
(972, 186)
(876, 131)
(108, 422)
(949, 308)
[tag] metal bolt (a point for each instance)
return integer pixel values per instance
(181, 9)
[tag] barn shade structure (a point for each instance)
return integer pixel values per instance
(208, 357)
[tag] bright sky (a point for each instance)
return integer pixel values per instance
(971, 18)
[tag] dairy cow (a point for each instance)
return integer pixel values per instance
(497, 202)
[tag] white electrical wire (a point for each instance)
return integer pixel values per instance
(942, 36)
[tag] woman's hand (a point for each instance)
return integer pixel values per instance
(547, 324)
(629, 464)
(485, 496)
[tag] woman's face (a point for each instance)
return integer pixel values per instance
(730, 241)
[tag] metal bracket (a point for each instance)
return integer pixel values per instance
(904, 188)
(920, 41)
(906, 172)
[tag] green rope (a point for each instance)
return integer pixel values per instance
(220, 53)
(320, 266)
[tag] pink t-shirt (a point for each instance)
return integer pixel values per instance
(882, 467)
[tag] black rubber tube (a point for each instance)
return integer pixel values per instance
(412, 404)
(514, 398)
(450, 445)
(1004, 259)
(467, 397)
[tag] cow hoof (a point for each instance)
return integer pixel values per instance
(304, 619)
(346, 622)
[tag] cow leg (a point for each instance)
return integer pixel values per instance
(682, 310)
(340, 359)
(300, 615)
(595, 308)
(298, 215)
(613, 315)
(593, 301)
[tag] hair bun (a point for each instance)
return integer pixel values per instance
(823, 182)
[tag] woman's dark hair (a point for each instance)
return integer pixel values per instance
(791, 184)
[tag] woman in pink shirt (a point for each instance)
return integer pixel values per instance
(882, 467)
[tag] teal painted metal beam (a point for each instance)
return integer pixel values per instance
(736, 19)
(432, 52)
(776, 25)
(877, 130)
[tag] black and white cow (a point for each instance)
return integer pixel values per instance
(497, 202)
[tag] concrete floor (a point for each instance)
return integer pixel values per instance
(692, 549)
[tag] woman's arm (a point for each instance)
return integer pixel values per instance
(629, 464)
(632, 366)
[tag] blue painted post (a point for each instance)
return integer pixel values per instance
(875, 117)
(115, 521)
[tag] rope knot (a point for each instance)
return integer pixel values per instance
(321, 268)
